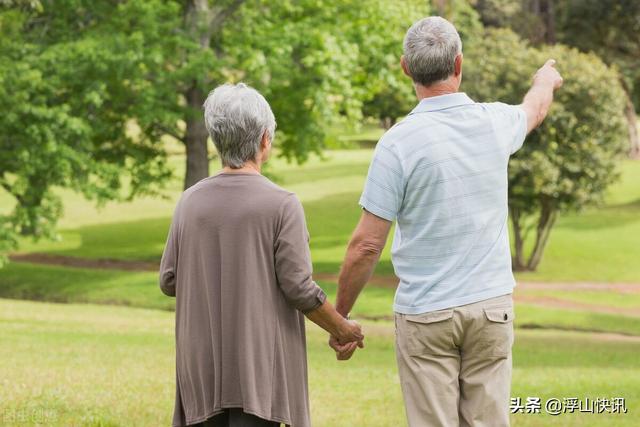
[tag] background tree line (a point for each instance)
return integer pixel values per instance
(90, 88)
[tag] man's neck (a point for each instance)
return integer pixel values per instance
(441, 88)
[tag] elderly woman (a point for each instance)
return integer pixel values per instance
(237, 260)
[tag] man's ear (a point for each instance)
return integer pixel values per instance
(458, 65)
(403, 64)
(265, 142)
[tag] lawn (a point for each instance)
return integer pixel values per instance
(95, 365)
(95, 362)
(139, 289)
(598, 245)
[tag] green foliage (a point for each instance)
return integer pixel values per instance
(608, 28)
(70, 86)
(78, 75)
(569, 161)
(390, 92)
(317, 62)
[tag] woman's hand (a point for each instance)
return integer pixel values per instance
(351, 337)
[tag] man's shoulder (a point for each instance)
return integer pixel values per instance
(499, 107)
(399, 131)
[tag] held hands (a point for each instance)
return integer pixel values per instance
(349, 339)
(548, 75)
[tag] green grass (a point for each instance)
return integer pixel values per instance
(592, 297)
(536, 316)
(102, 366)
(377, 303)
(91, 365)
(77, 285)
(599, 244)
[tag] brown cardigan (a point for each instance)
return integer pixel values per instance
(237, 260)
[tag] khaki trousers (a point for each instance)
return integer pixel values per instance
(455, 364)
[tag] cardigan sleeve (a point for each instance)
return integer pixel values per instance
(169, 261)
(293, 258)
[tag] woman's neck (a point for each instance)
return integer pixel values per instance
(248, 167)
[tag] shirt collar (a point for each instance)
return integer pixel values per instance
(442, 102)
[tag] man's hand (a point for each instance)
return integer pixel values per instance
(344, 351)
(548, 75)
(349, 331)
(537, 101)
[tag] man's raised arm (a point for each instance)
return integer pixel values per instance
(537, 101)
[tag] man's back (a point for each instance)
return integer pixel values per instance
(442, 174)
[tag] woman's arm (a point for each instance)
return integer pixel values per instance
(346, 331)
(293, 271)
(169, 262)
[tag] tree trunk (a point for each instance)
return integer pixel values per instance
(545, 223)
(202, 21)
(195, 139)
(632, 122)
(545, 12)
(387, 123)
(518, 261)
(443, 8)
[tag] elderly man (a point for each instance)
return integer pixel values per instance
(441, 174)
(237, 261)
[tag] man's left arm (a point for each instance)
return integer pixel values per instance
(363, 253)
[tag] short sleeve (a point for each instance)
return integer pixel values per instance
(510, 122)
(384, 187)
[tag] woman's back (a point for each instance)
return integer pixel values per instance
(239, 247)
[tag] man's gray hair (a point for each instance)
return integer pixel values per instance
(430, 49)
(236, 117)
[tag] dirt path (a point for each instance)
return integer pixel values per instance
(548, 301)
(386, 281)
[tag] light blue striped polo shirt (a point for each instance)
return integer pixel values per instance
(441, 174)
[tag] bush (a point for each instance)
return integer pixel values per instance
(570, 160)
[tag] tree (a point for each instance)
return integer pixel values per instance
(608, 28)
(389, 94)
(92, 87)
(312, 60)
(568, 162)
(68, 93)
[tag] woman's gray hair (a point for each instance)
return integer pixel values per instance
(430, 49)
(236, 117)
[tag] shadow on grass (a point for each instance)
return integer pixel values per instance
(572, 350)
(141, 240)
(330, 221)
(77, 285)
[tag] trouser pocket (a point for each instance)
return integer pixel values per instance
(429, 333)
(496, 338)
